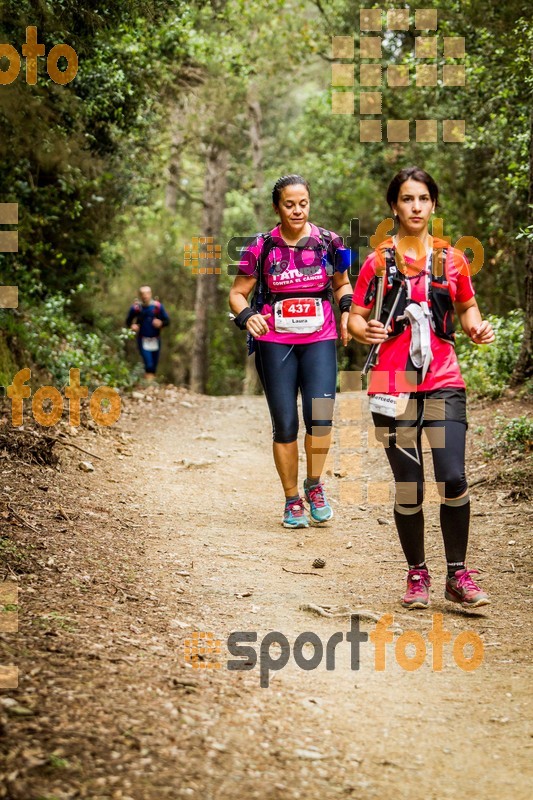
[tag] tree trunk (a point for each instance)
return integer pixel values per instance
(178, 143)
(214, 199)
(524, 366)
(255, 119)
(251, 378)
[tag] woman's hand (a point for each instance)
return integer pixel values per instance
(482, 333)
(345, 336)
(375, 332)
(257, 326)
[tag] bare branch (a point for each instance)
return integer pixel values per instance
(192, 197)
(320, 7)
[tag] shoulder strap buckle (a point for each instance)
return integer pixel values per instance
(437, 264)
(391, 266)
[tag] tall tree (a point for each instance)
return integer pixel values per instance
(524, 366)
(215, 185)
(178, 142)
(251, 378)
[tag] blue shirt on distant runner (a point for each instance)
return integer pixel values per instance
(142, 318)
(144, 315)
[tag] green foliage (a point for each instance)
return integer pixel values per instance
(57, 344)
(227, 351)
(152, 252)
(8, 365)
(74, 156)
(515, 434)
(57, 762)
(487, 368)
(53, 620)
(87, 164)
(16, 556)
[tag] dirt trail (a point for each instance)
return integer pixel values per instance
(178, 530)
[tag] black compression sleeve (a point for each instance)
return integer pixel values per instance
(345, 303)
(242, 318)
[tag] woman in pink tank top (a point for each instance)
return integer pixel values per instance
(300, 270)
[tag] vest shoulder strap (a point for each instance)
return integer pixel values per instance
(390, 265)
(266, 247)
(438, 265)
(325, 236)
(326, 240)
(437, 268)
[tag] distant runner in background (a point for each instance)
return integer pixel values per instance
(146, 317)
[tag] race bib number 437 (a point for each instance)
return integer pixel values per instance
(299, 315)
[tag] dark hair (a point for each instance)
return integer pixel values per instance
(287, 180)
(414, 174)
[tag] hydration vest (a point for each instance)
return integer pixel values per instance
(138, 307)
(263, 294)
(438, 295)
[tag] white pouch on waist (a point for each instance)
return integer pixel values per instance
(150, 343)
(298, 315)
(390, 405)
(420, 351)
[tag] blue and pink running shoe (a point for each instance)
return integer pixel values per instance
(294, 515)
(321, 510)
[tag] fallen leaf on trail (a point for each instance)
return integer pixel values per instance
(20, 711)
(188, 464)
(311, 754)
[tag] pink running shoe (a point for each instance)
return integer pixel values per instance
(418, 583)
(462, 589)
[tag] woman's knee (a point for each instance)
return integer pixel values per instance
(284, 431)
(318, 414)
(318, 427)
(453, 484)
(409, 495)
